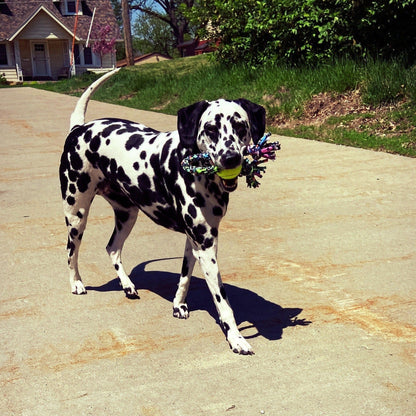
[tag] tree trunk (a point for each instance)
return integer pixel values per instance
(127, 32)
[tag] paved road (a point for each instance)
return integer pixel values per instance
(319, 264)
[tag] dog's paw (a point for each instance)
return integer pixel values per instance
(239, 345)
(131, 292)
(78, 288)
(181, 311)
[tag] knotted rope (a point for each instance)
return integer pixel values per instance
(260, 153)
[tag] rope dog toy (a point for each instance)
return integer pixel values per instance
(260, 153)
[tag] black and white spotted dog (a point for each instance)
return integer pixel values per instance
(137, 168)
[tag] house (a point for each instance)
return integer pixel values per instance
(148, 58)
(37, 37)
(197, 47)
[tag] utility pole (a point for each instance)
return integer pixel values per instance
(127, 32)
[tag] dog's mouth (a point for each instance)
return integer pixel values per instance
(229, 185)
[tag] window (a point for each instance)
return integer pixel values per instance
(71, 7)
(77, 58)
(87, 56)
(3, 54)
(82, 55)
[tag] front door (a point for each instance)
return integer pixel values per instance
(40, 59)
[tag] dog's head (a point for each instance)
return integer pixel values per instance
(222, 129)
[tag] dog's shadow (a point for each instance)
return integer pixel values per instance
(265, 318)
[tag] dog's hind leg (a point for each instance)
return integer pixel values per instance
(125, 218)
(76, 213)
(180, 307)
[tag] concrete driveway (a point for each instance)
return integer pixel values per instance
(319, 264)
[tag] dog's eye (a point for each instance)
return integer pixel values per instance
(211, 128)
(240, 129)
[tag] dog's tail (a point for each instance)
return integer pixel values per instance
(78, 116)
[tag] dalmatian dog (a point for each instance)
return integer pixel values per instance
(136, 168)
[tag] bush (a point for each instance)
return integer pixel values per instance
(308, 31)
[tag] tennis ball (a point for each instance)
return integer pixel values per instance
(229, 173)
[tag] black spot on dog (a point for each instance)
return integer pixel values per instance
(136, 165)
(103, 163)
(76, 162)
(208, 242)
(79, 215)
(134, 141)
(113, 168)
(217, 211)
(185, 267)
(229, 142)
(71, 247)
(92, 157)
(143, 155)
(192, 211)
(108, 130)
(143, 181)
(165, 151)
(218, 297)
(87, 136)
(73, 175)
(188, 220)
(72, 188)
(95, 143)
(199, 200)
(83, 181)
(70, 200)
(154, 163)
(200, 229)
(122, 177)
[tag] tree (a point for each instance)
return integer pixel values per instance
(152, 35)
(169, 11)
(127, 32)
(103, 45)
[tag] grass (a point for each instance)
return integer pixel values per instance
(284, 92)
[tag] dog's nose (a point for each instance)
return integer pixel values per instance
(231, 160)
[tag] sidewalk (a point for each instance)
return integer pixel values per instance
(319, 264)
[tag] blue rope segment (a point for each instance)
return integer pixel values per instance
(198, 164)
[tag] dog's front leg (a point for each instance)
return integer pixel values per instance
(209, 265)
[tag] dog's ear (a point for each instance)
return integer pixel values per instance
(188, 122)
(257, 117)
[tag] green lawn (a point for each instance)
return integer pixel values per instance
(386, 91)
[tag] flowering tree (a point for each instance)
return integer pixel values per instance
(103, 43)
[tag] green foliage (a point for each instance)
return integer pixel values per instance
(307, 31)
(152, 35)
(284, 90)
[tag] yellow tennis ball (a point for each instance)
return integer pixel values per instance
(229, 173)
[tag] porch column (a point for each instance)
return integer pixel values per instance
(18, 60)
